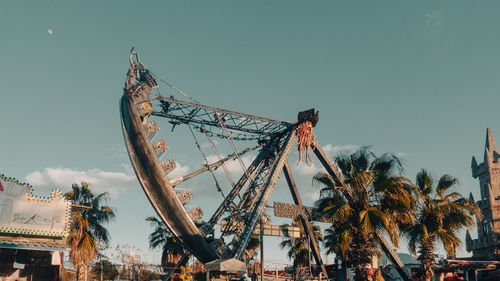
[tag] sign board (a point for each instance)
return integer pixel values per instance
(278, 230)
(21, 212)
(285, 210)
(272, 230)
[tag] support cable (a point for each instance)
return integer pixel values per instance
(228, 136)
(252, 180)
(219, 158)
(174, 88)
(206, 162)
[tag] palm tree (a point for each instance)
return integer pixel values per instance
(253, 245)
(162, 237)
(441, 213)
(297, 247)
(375, 199)
(87, 231)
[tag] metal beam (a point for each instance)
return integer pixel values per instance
(268, 188)
(237, 187)
(182, 262)
(217, 164)
(330, 167)
(184, 111)
(156, 185)
(304, 217)
(391, 254)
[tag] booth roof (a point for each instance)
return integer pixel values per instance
(228, 265)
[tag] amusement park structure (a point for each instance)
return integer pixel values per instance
(273, 141)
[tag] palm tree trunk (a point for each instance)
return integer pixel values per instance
(427, 258)
(362, 251)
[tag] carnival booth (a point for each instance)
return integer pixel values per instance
(33, 231)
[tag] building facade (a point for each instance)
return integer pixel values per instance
(487, 245)
(33, 231)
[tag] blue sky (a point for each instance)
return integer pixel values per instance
(417, 78)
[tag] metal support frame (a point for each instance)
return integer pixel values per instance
(391, 254)
(182, 262)
(237, 187)
(229, 198)
(228, 136)
(332, 169)
(214, 165)
(260, 174)
(156, 185)
(267, 188)
(250, 126)
(304, 217)
(225, 124)
(257, 173)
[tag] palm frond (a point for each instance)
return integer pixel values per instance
(424, 181)
(445, 182)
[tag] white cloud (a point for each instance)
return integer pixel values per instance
(434, 18)
(233, 166)
(330, 150)
(179, 171)
(99, 180)
(334, 149)
(401, 154)
(313, 195)
(304, 169)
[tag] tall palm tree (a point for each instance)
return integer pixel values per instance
(441, 213)
(298, 249)
(87, 231)
(375, 199)
(162, 237)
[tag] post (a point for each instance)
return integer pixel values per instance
(261, 249)
(266, 190)
(308, 254)
(61, 278)
(305, 220)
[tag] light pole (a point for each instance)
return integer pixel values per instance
(261, 249)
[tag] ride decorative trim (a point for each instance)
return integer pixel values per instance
(168, 165)
(160, 147)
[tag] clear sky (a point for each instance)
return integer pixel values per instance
(417, 78)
